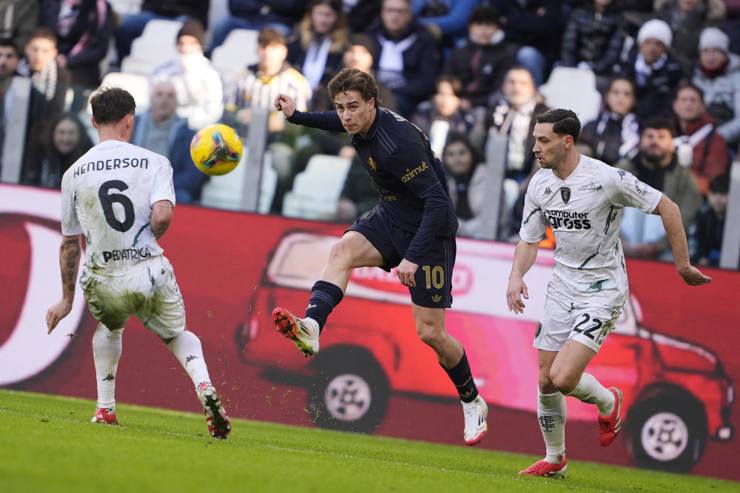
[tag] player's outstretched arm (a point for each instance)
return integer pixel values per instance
(328, 120)
(524, 257)
(69, 263)
(670, 214)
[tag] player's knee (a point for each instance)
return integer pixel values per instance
(341, 254)
(563, 380)
(545, 384)
(430, 334)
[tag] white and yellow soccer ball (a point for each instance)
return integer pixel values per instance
(216, 149)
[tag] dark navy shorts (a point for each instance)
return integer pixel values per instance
(434, 275)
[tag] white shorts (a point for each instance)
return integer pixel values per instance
(587, 323)
(148, 290)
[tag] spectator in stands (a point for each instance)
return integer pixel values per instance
(64, 142)
(445, 113)
(699, 146)
(705, 240)
(48, 77)
(467, 181)
(537, 26)
(160, 130)
(19, 19)
(358, 195)
(258, 87)
(9, 58)
(198, 84)
(319, 42)
(482, 61)
(84, 29)
(446, 19)
(731, 24)
(615, 134)
(408, 61)
(280, 15)
(718, 75)
(655, 71)
(657, 165)
(133, 25)
(593, 38)
(687, 19)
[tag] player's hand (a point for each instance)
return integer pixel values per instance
(286, 104)
(514, 292)
(406, 270)
(56, 313)
(693, 276)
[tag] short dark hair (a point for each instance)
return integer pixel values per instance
(564, 122)
(720, 184)
(8, 43)
(43, 33)
(111, 104)
(268, 36)
(192, 27)
(453, 81)
(460, 138)
(687, 84)
(351, 79)
(658, 123)
(484, 15)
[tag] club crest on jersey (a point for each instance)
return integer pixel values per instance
(565, 194)
(371, 163)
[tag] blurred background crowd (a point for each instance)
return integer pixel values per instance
(656, 84)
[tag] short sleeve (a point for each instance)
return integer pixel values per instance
(163, 188)
(534, 223)
(625, 190)
(70, 222)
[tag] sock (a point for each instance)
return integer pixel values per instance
(324, 297)
(187, 349)
(551, 414)
(463, 379)
(590, 390)
(107, 346)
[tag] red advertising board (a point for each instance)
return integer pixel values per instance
(671, 351)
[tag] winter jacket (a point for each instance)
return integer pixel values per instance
(478, 226)
(537, 23)
(481, 68)
(687, 28)
(654, 92)
(710, 157)
(593, 38)
(611, 137)
(297, 57)
(705, 238)
(18, 19)
(451, 16)
(722, 98)
(176, 8)
(286, 12)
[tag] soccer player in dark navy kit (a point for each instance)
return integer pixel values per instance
(412, 227)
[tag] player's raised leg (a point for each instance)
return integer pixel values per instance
(353, 250)
(568, 375)
(430, 326)
(551, 414)
(107, 346)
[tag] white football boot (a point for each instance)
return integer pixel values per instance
(476, 426)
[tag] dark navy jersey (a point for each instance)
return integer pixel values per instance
(408, 176)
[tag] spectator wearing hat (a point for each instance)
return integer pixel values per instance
(718, 75)
(197, 83)
(483, 60)
(655, 71)
(699, 146)
(705, 239)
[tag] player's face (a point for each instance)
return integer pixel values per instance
(189, 45)
(549, 147)
(396, 15)
(40, 52)
(66, 136)
(8, 61)
(357, 115)
(712, 58)
(445, 100)
(688, 105)
(621, 97)
(519, 87)
(656, 143)
(358, 57)
(651, 49)
(323, 19)
(457, 159)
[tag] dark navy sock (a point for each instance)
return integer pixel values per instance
(324, 297)
(463, 379)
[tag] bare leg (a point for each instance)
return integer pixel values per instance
(430, 325)
(353, 250)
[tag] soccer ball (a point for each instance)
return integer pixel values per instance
(216, 149)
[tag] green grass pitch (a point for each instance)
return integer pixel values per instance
(47, 444)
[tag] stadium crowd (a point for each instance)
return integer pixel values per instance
(467, 72)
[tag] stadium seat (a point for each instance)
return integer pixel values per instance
(236, 53)
(137, 85)
(316, 190)
(155, 46)
(574, 89)
(125, 7)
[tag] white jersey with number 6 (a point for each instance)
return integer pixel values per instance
(107, 195)
(585, 212)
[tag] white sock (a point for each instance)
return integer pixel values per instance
(551, 413)
(590, 390)
(107, 346)
(187, 349)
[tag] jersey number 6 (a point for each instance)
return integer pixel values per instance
(107, 200)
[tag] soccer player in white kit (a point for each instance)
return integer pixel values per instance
(582, 199)
(121, 198)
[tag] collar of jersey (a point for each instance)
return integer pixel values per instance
(581, 160)
(373, 128)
